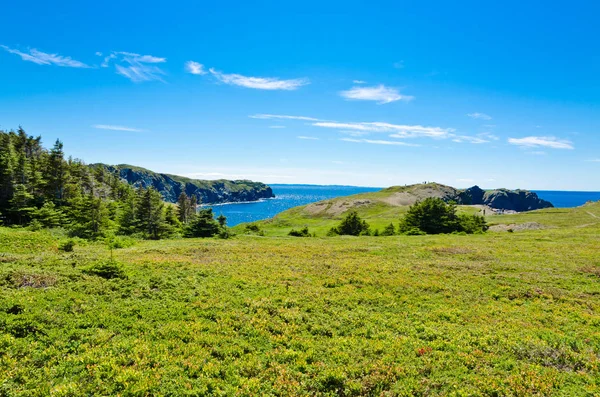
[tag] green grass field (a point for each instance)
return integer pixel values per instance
(499, 314)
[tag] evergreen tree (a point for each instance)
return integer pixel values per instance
(150, 214)
(389, 230)
(21, 204)
(49, 216)
(351, 225)
(202, 225)
(91, 219)
(222, 220)
(183, 205)
(56, 171)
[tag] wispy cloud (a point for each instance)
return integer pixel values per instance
(43, 58)
(195, 68)
(378, 142)
(259, 83)
(541, 141)
(312, 138)
(282, 117)
(137, 68)
(479, 116)
(381, 94)
(484, 137)
(359, 82)
(116, 128)
(398, 130)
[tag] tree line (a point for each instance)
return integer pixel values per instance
(41, 188)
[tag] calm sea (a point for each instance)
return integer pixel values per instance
(288, 196)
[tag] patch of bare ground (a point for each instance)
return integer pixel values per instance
(335, 207)
(518, 227)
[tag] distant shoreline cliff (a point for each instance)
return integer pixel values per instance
(207, 192)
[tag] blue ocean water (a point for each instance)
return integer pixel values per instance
(288, 196)
(567, 199)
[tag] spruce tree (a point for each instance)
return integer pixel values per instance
(150, 213)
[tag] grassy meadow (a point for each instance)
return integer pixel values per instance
(497, 314)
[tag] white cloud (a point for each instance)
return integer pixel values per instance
(282, 117)
(479, 116)
(259, 83)
(116, 128)
(195, 68)
(541, 141)
(359, 82)
(399, 130)
(378, 142)
(136, 67)
(469, 139)
(42, 58)
(312, 138)
(380, 93)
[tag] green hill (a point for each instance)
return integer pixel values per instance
(386, 206)
(207, 192)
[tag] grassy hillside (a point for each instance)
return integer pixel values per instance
(500, 314)
(379, 209)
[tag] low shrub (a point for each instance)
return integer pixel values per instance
(299, 233)
(66, 245)
(107, 270)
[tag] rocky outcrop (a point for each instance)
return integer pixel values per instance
(501, 199)
(207, 192)
(504, 199)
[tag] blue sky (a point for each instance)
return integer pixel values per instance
(354, 92)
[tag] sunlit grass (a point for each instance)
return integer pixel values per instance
(494, 314)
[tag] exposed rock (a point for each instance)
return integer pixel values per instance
(501, 199)
(207, 192)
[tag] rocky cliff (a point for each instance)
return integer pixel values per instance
(207, 192)
(514, 200)
(504, 199)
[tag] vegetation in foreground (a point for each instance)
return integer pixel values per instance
(496, 314)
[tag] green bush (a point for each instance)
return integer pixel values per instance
(351, 225)
(107, 270)
(434, 216)
(66, 245)
(225, 233)
(299, 233)
(389, 230)
(203, 224)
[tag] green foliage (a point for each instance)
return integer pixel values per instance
(253, 228)
(300, 233)
(49, 216)
(443, 315)
(434, 216)
(351, 225)
(66, 245)
(107, 270)
(389, 230)
(203, 224)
